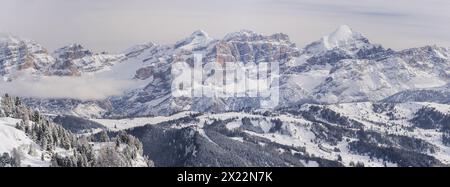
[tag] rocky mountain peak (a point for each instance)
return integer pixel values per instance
(280, 37)
(430, 56)
(7, 38)
(343, 38)
(198, 39)
(199, 33)
(137, 49)
(13, 42)
(74, 60)
(243, 35)
(72, 51)
(18, 54)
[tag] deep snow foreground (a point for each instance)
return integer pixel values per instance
(34, 141)
(12, 138)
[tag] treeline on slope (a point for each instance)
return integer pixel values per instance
(12, 160)
(430, 118)
(331, 127)
(253, 145)
(118, 151)
(76, 124)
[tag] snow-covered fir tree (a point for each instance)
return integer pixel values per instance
(81, 151)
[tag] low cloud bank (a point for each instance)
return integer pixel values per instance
(82, 88)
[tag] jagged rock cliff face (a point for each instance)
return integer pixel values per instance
(73, 60)
(20, 57)
(156, 98)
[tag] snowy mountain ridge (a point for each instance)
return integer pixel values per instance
(343, 38)
(340, 67)
(20, 56)
(343, 102)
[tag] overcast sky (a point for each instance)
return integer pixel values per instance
(114, 25)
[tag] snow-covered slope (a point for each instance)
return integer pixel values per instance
(127, 123)
(29, 139)
(369, 134)
(368, 80)
(435, 95)
(10, 136)
(345, 67)
(14, 139)
(343, 38)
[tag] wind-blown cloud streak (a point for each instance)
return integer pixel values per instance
(82, 88)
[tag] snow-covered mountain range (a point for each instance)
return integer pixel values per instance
(21, 56)
(343, 100)
(341, 67)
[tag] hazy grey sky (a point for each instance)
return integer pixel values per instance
(114, 25)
